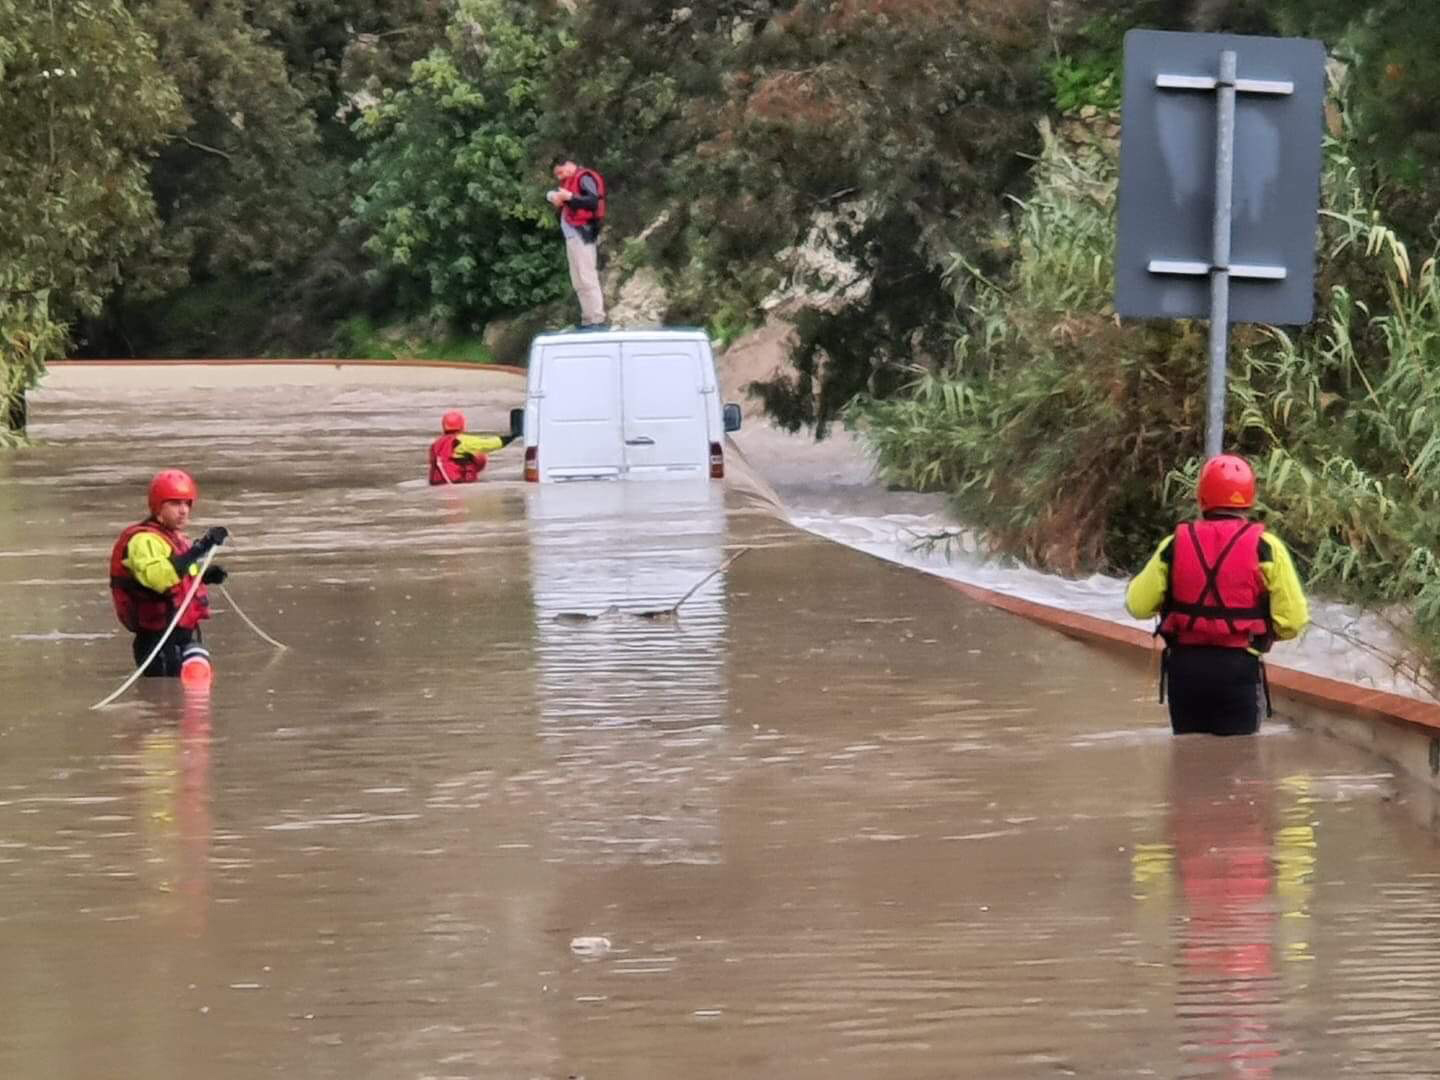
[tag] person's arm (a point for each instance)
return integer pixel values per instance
(148, 557)
(1147, 591)
(470, 445)
(587, 198)
(1289, 611)
(154, 565)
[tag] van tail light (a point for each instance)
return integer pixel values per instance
(717, 461)
(532, 464)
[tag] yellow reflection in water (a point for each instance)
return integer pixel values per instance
(1295, 849)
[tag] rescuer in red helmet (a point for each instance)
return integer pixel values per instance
(1225, 589)
(458, 458)
(152, 569)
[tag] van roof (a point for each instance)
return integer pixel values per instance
(654, 333)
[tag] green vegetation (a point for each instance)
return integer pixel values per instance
(358, 339)
(449, 193)
(1049, 419)
(1078, 85)
(1073, 440)
(1345, 420)
(85, 104)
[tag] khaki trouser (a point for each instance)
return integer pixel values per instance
(585, 279)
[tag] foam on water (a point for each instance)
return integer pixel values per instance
(1340, 643)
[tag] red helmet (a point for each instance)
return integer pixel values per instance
(452, 421)
(171, 484)
(1226, 483)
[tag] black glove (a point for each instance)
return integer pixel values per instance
(216, 534)
(214, 575)
(211, 537)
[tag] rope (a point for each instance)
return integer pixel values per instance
(246, 620)
(194, 588)
(696, 587)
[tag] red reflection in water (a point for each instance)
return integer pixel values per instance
(1222, 835)
(192, 810)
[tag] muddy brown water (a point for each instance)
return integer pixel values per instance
(835, 821)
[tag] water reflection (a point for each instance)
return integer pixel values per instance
(631, 709)
(1235, 876)
(1222, 833)
(174, 811)
(836, 820)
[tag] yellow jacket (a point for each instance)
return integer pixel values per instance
(148, 558)
(467, 446)
(1289, 613)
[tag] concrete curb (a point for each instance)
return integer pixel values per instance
(455, 365)
(1399, 729)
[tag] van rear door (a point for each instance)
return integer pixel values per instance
(664, 392)
(579, 411)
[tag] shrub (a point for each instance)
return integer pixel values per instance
(1073, 440)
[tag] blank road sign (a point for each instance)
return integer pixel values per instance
(1163, 256)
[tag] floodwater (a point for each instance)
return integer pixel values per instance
(833, 821)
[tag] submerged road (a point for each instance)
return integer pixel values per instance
(835, 821)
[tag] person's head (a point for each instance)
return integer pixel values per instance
(171, 494)
(453, 422)
(1226, 486)
(563, 166)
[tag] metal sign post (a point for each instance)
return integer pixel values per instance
(1220, 260)
(1161, 203)
(1219, 268)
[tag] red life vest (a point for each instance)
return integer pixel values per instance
(574, 215)
(139, 608)
(1216, 594)
(443, 464)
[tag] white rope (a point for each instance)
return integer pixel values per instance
(194, 588)
(696, 587)
(246, 620)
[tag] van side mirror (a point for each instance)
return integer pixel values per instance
(732, 416)
(517, 422)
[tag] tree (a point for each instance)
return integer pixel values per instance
(237, 186)
(450, 193)
(1392, 96)
(920, 113)
(251, 257)
(85, 105)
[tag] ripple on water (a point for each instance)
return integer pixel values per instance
(834, 821)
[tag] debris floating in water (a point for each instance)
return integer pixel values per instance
(585, 616)
(654, 614)
(590, 946)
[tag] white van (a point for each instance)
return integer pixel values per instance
(632, 404)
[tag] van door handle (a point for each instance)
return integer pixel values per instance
(641, 440)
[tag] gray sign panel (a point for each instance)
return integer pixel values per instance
(1164, 254)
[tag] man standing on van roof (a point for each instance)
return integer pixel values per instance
(580, 198)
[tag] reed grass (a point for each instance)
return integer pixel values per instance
(1072, 440)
